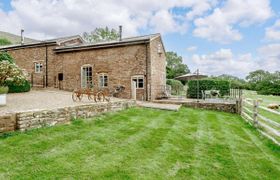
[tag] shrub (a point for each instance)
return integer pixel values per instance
(4, 89)
(4, 41)
(4, 56)
(17, 88)
(176, 86)
(207, 84)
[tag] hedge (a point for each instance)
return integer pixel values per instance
(25, 87)
(207, 84)
(176, 86)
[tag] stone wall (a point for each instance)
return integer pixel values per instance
(158, 67)
(119, 63)
(225, 107)
(40, 118)
(7, 122)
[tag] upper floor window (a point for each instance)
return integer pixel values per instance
(139, 81)
(38, 67)
(103, 80)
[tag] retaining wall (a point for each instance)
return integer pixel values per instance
(40, 118)
(225, 107)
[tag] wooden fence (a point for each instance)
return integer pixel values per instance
(250, 111)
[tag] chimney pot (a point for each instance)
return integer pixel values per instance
(120, 33)
(22, 37)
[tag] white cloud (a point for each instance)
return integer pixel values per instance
(224, 61)
(273, 33)
(191, 48)
(51, 18)
(220, 26)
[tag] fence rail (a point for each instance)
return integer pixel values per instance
(250, 112)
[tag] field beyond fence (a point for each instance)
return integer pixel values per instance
(266, 120)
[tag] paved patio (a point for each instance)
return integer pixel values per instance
(42, 99)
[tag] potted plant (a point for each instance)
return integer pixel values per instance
(3, 95)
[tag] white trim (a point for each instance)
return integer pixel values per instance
(81, 72)
(102, 75)
(40, 70)
(138, 77)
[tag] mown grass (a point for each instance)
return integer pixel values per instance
(142, 143)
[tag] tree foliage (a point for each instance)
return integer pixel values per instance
(265, 82)
(235, 82)
(4, 41)
(101, 34)
(175, 66)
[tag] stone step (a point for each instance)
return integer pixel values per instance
(170, 107)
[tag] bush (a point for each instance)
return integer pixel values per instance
(4, 41)
(4, 89)
(176, 86)
(15, 88)
(4, 56)
(207, 84)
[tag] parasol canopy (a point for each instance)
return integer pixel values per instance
(191, 76)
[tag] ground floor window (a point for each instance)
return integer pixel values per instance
(103, 80)
(38, 67)
(86, 76)
(139, 80)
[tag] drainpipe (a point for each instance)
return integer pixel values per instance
(46, 65)
(147, 70)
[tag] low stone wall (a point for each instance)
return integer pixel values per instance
(7, 122)
(40, 118)
(225, 107)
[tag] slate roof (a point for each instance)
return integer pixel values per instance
(123, 42)
(42, 43)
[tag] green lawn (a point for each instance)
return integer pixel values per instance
(142, 144)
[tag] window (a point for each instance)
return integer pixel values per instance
(103, 80)
(38, 67)
(86, 75)
(139, 81)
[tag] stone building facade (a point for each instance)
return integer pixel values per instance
(70, 63)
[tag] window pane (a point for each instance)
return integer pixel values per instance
(140, 83)
(105, 83)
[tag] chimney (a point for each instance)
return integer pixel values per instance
(22, 37)
(120, 33)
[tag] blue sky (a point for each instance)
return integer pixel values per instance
(216, 36)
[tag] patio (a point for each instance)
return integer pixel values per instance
(42, 99)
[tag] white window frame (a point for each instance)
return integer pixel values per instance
(38, 67)
(137, 77)
(82, 75)
(101, 82)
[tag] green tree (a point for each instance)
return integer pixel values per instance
(256, 77)
(4, 41)
(101, 34)
(235, 82)
(175, 66)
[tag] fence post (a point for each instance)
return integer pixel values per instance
(255, 112)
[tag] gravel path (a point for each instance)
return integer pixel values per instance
(41, 99)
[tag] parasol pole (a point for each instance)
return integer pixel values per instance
(197, 85)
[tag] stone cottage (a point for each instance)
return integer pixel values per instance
(70, 63)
